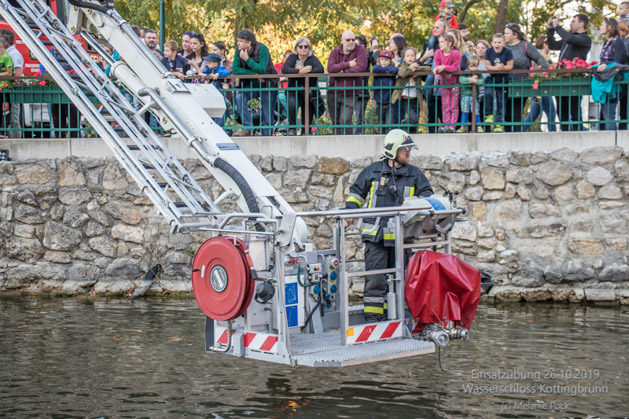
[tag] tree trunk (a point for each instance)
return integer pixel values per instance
(501, 19)
(466, 6)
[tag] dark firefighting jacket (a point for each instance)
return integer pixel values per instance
(380, 185)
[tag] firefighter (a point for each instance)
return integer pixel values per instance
(384, 183)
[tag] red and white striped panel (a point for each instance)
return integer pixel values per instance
(373, 332)
(252, 340)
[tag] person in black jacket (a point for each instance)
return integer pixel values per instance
(384, 183)
(302, 61)
(573, 44)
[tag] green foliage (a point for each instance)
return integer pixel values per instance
(278, 23)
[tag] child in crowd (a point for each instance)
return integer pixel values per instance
(497, 58)
(446, 11)
(382, 97)
(216, 73)
(408, 96)
(214, 70)
(448, 60)
(467, 100)
(6, 69)
(174, 62)
(623, 12)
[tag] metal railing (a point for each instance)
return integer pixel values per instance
(310, 105)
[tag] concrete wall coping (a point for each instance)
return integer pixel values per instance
(347, 147)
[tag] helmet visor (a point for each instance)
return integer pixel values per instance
(408, 142)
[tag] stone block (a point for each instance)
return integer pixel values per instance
(586, 246)
(74, 196)
(34, 175)
(128, 233)
(615, 272)
(29, 215)
(585, 190)
(123, 212)
(565, 154)
(59, 237)
(564, 193)
(462, 162)
(493, 179)
(592, 294)
(554, 173)
(599, 176)
(464, 231)
(576, 270)
(610, 191)
(280, 163)
(479, 211)
(601, 155)
(114, 178)
(508, 212)
(473, 194)
(539, 210)
(75, 218)
(24, 249)
(70, 174)
(333, 165)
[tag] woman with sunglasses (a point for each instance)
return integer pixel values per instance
(524, 55)
(302, 61)
(199, 50)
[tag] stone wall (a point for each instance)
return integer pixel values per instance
(544, 225)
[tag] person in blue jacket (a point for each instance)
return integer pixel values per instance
(216, 73)
(382, 97)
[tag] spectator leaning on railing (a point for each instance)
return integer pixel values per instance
(252, 57)
(573, 44)
(432, 95)
(346, 58)
(303, 61)
(18, 65)
(524, 54)
(613, 52)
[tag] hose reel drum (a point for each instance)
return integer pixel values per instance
(222, 278)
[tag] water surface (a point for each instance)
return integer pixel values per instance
(118, 358)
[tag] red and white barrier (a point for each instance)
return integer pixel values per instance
(372, 332)
(252, 340)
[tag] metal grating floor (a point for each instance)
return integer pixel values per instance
(326, 350)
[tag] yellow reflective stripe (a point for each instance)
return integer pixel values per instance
(386, 306)
(371, 192)
(368, 232)
(389, 236)
(376, 310)
(412, 193)
(355, 200)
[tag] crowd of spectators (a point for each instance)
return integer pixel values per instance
(406, 81)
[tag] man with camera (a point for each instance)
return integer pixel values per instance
(573, 44)
(384, 183)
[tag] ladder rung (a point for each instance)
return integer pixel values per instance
(136, 147)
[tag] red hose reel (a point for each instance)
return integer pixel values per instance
(221, 278)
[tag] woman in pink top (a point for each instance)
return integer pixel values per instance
(448, 60)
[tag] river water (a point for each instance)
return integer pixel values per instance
(118, 358)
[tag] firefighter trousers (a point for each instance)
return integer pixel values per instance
(377, 256)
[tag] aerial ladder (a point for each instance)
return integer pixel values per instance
(267, 294)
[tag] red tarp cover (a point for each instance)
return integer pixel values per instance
(439, 286)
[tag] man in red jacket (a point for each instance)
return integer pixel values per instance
(349, 57)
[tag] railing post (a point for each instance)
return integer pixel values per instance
(473, 129)
(306, 110)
